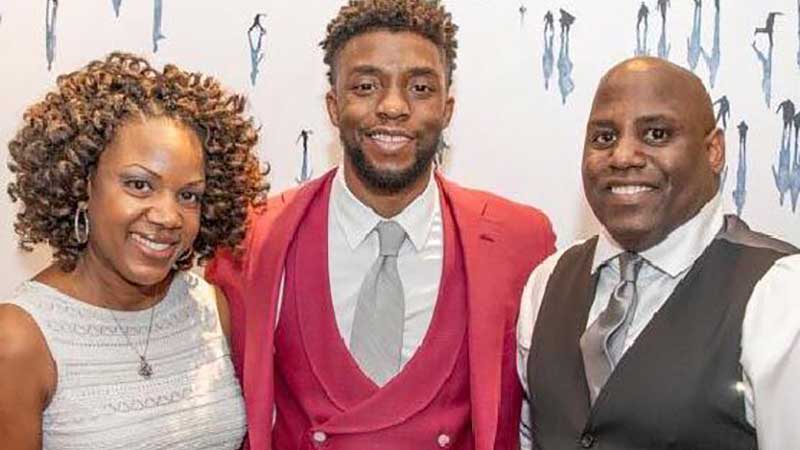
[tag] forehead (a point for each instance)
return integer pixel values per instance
(390, 51)
(628, 95)
(162, 145)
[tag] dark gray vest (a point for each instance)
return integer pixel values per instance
(675, 388)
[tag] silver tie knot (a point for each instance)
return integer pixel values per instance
(391, 236)
(629, 265)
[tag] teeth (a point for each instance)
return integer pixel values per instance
(390, 139)
(157, 246)
(630, 190)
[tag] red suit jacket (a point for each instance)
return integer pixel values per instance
(502, 243)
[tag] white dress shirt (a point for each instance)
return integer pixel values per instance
(770, 355)
(353, 247)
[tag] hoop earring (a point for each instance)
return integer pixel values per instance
(80, 223)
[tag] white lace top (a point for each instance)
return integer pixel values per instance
(192, 400)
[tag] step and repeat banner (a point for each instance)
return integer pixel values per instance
(527, 70)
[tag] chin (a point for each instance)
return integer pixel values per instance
(632, 235)
(147, 276)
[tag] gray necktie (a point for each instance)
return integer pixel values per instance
(603, 343)
(377, 337)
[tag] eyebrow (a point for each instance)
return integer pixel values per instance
(602, 123)
(366, 70)
(418, 71)
(654, 118)
(422, 72)
(156, 175)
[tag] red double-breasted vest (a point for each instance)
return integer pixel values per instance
(501, 242)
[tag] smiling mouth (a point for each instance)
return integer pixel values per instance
(154, 247)
(630, 189)
(389, 141)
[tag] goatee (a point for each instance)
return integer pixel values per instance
(390, 181)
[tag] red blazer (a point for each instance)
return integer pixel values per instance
(502, 243)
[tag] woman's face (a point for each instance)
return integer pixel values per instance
(145, 200)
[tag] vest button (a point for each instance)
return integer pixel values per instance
(587, 440)
(443, 440)
(319, 437)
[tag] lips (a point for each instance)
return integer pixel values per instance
(389, 140)
(631, 189)
(154, 246)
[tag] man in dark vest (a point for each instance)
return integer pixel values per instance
(677, 327)
(375, 307)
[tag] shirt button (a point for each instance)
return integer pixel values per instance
(443, 440)
(587, 440)
(319, 437)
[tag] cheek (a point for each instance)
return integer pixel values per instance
(591, 166)
(191, 225)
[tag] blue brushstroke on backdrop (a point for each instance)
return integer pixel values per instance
(642, 31)
(723, 113)
(782, 174)
(794, 185)
(306, 170)
(663, 45)
(158, 7)
(723, 110)
(547, 57)
(766, 61)
(255, 38)
(693, 42)
(565, 66)
(713, 60)
(116, 4)
(740, 192)
(50, 32)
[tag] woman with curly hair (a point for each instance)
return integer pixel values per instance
(129, 175)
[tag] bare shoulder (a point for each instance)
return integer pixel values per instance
(29, 378)
(25, 359)
(20, 337)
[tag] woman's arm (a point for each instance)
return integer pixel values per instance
(27, 380)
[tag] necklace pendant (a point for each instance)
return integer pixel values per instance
(145, 369)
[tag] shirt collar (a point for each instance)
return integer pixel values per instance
(357, 220)
(678, 251)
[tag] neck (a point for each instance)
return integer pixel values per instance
(385, 204)
(100, 285)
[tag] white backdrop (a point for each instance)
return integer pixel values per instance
(509, 134)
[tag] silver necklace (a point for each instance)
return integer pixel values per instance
(145, 368)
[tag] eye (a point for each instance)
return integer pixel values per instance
(190, 197)
(365, 87)
(604, 138)
(656, 135)
(138, 186)
(421, 88)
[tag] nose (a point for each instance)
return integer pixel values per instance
(394, 105)
(165, 211)
(627, 154)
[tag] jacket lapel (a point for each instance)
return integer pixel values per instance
(263, 275)
(486, 319)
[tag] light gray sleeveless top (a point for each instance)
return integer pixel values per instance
(192, 400)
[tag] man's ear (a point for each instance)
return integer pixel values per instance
(332, 104)
(449, 105)
(715, 150)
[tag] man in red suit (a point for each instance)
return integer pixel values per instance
(375, 307)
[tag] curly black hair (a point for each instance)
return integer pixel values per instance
(425, 17)
(62, 137)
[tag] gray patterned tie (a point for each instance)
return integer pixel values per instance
(603, 342)
(377, 337)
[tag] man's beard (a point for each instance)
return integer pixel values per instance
(390, 181)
